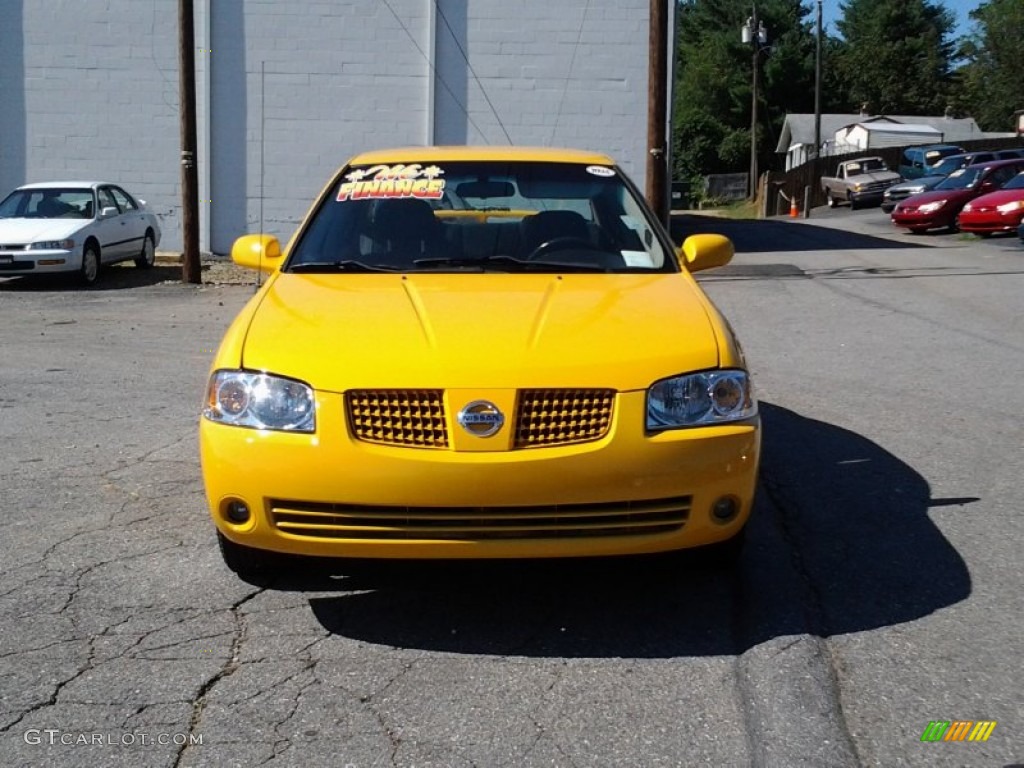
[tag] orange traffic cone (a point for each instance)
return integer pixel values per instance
(794, 212)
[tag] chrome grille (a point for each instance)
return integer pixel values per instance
(368, 522)
(562, 416)
(411, 417)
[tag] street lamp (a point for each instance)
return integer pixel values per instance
(754, 33)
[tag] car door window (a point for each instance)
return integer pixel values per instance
(124, 202)
(107, 200)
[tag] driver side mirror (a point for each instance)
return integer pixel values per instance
(262, 252)
(108, 212)
(705, 252)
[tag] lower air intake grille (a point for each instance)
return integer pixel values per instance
(351, 521)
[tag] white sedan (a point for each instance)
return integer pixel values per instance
(74, 226)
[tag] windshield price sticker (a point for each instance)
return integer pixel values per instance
(600, 170)
(388, 182)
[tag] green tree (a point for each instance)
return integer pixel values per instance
(896, 55)
(990, 85)
(711, 128)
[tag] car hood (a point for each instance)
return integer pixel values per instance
(339, 332)
(864, 178)
(953, 195)
(22, 231)
(999, 197)
(926, 181)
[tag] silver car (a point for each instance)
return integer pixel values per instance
(76, 227)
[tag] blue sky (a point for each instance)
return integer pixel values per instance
(960, 9)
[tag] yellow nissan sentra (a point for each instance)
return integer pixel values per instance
(478, 353)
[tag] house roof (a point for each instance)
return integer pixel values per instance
(799, 128)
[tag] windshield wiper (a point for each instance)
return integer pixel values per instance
(501, 259)
(349, 265)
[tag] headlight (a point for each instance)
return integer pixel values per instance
(713, 397)
(856, 187)
(915, 190)
(52, 245)
(260, 401)
(1016, 205)
(931, 207)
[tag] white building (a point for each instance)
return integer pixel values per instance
(287, 91)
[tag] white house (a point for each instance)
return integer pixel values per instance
(796, 139)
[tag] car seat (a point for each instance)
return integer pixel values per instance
(406, 229)
(552, 225)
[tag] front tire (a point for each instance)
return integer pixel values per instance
(89, 272)
(147, 257)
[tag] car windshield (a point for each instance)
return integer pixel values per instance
(1017, 182)
(868, 166)
(48, 203)
(481, 216)
(947, 166)
(965, 178)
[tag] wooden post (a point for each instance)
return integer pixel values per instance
(191, 268)
(657, 111)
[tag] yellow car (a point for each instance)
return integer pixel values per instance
(478, 353)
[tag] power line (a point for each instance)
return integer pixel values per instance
(434, 71)
(471, 70)
(572, 63)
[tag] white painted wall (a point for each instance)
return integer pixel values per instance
(90, 89)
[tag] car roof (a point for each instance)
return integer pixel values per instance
(997, 163)
(66, 184)
(933, 147)
(451, 154)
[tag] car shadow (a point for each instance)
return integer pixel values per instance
(840, 542)
(113, 278)
(759, 235)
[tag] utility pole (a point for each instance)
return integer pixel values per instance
(817, 88)
(754, 32)
(657, 111)
(191, 269)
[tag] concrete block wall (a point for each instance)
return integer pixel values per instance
(288, 91)
(89, 90)
(568, 73)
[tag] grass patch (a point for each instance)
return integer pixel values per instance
(742, 209)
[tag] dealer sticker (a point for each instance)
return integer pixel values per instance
(393, 181)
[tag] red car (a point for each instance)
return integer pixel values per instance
(999, 211)
(940, 207)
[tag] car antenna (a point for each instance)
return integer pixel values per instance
(263, 112)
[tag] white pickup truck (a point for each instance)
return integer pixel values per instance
(859, 182)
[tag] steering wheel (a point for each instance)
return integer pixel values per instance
(560, 244)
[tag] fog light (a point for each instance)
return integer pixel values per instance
(237, 511)
(725, 509)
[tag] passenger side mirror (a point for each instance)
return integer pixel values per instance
(705, 252)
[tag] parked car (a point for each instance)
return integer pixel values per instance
(858, 182)
(1009, 154)
(918, 161)
(897, 192)
(999, 211)
(478, 353)
(940, 207)
(955, 162)
(74, 226)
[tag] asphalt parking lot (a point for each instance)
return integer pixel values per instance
(881, 589)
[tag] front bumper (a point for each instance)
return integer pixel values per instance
(916, 220)
(990, 221)
(38, 262)
(332, 479)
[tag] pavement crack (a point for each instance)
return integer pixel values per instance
(230, 667)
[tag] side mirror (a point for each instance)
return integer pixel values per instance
(107, 212)
(705, 252)
(262, 252)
